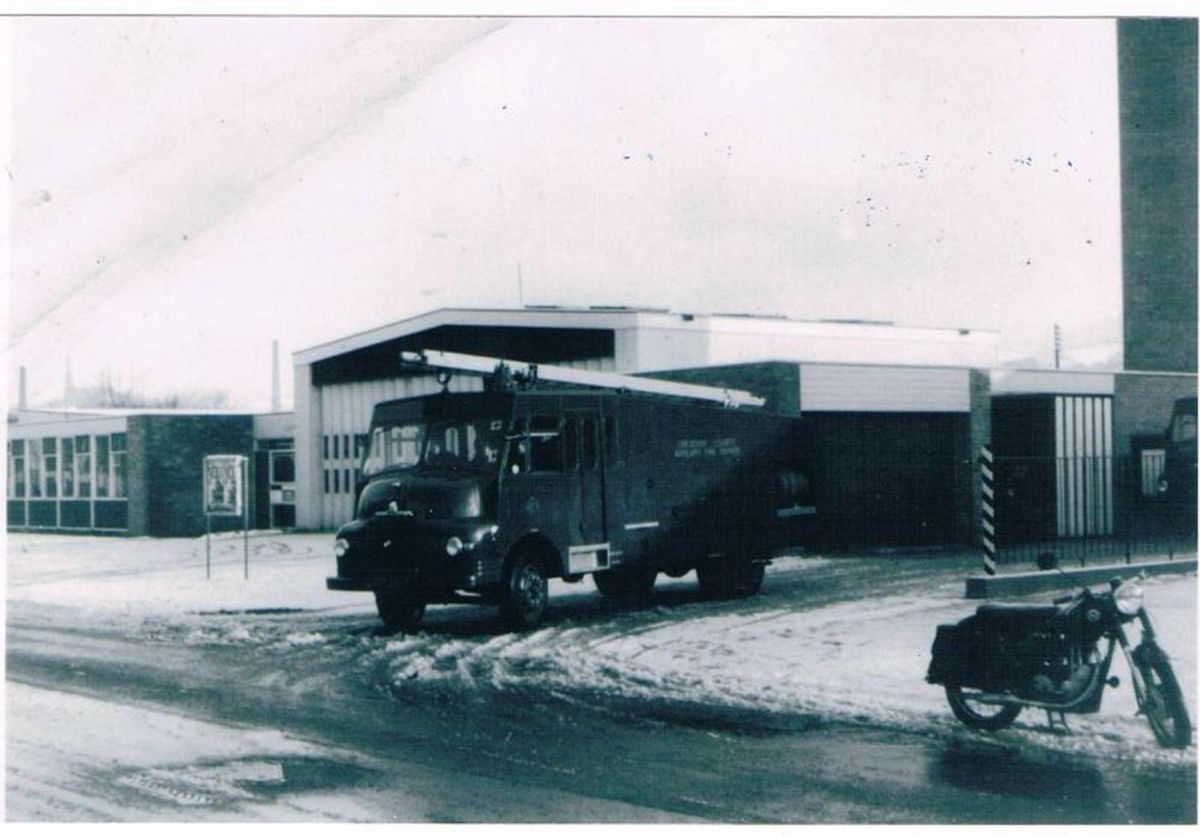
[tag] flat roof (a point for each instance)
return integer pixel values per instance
(604, 317)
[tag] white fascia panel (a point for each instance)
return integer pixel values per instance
(868, 388)
(1050, 381)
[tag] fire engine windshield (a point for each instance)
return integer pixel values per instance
(473, 443)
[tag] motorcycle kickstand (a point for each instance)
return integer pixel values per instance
(1059, 724)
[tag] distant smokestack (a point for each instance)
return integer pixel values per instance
(21, 402)
(69, 385)
(276, 402)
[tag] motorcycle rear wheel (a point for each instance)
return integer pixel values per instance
(983, 717)
(1164, 707)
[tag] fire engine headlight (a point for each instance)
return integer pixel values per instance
(483, 534)
(340, 548)
(1129, 598)
(453, 545)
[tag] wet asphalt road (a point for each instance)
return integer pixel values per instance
(535, 756)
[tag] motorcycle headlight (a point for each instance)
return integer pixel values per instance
(1129, 598)
(453, 545)
(340, 548)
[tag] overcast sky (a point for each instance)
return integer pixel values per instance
(186, 189)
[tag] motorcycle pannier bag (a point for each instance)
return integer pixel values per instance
(962, 655)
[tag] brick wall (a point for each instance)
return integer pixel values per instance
(778, 382)
(137, 464)
(1157, 72)
(172, 450)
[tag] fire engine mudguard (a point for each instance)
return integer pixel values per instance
(399, 609)
(722, 577)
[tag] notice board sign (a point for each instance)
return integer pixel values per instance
(224, 485)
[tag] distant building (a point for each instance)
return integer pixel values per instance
(138, 472)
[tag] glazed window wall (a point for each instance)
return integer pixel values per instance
(75, 483)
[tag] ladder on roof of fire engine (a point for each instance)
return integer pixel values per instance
(530, 372)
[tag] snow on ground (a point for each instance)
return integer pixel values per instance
(860, 661)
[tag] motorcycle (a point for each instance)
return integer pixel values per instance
(1007, 657)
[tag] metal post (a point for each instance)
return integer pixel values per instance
(989, 516)
(207, 546)
(245, 518)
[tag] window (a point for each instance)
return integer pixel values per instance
(404, 445)
(83, 465)
(68, 467)
(325, 441)
(588, 450)
(118, 454)
(18, 469)
(610, 438)
(1183, 428)
(327, 481)
(102, 464)
(50, 456)
(337, 452)
(545, 444)
(345, 446)
(571, 442)
(35, 470)
(1153, 461)
(283, 467)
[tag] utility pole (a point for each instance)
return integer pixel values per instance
(1057, 345)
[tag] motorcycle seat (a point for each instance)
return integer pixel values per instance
(1015, 615)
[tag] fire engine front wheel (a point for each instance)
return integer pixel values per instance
(526, 592)
(399, 610)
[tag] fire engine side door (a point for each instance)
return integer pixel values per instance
(584, 458)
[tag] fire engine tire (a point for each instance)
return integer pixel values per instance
(722, 578)
(981, 717)
(526, 592)
(399, 610)
(1165, 709)
(625, 582)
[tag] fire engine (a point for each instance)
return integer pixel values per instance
(553, 472)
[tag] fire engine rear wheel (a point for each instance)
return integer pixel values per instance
(526, 592)
(723, 577)
(625, 582)
(399, 609)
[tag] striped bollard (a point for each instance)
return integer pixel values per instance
(989, 513)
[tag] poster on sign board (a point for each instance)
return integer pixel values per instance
(224, 485)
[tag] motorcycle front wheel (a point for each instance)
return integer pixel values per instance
(974, 714)
(1164, 707)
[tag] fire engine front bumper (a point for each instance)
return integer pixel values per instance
(350, 584)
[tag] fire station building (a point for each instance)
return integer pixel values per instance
(899, 414)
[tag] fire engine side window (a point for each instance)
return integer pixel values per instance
(610, 438)
(588, 448)
(571, 438)
(545, 444)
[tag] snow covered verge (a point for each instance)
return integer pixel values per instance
(859, 660)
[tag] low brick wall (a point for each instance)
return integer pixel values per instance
(1031, 582)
